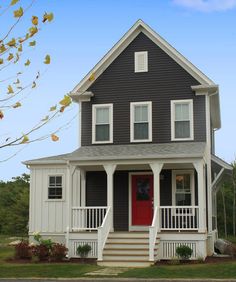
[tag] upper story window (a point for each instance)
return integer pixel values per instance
(55, 187)
(141, 122)
(102, 123)
(181, 120)
(183, 188)
(141, 61)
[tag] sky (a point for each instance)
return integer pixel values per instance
(83, 31)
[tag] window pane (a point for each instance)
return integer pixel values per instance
(183, 183)
(140, 131)
(183, 199)
(141, 113)
(102, 115)
(182, 129)
(102, 132)
(52, 180)
(143, 189)
(58, 180)
(181, 111)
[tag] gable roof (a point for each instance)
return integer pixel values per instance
(128, 37)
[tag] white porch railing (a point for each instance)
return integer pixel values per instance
(153, 229)
(179, 218)
(87, 218)
(103, 232)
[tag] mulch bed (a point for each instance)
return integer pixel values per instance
(208, 260)
(72, 260)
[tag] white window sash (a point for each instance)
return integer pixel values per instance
(190, 119)
(133, 122)
(94, 123)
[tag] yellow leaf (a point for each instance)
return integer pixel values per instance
(47, 17)
(25, 139)
(17, 58)
(10, 57)
(1, 61)
(2, 48)
(27, 63)
(17, 81)
(34, 20)
(34, 84)
(10, 90)
(13, 2)
(92, 77)
(32, 43)
(62, 108)
(54, 137)
(20, 48)
(65, 101)
(1, 115)
(47, 60)
(18, 13)
(53, 108)
(45, 119)
(12, 42)
(32, 32)
(17, 105)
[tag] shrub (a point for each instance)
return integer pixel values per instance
(83, 250)
(184, 252)
(41, 251)
(23, 250)
(58, 252)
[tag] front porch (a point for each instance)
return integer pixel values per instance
(102, 201)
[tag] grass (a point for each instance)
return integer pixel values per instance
(224, 270)
(221, 270)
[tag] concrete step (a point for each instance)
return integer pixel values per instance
(122, 251)
(128, 240)
(129, 235)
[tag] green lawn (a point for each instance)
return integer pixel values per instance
(224, 270)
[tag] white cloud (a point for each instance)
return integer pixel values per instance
(207, 5)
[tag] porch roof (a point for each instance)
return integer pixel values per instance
(128, 152)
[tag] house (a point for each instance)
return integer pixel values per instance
(145, 178)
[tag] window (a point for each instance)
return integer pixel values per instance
(141, 122)
(182, 120)
(141, 61)
(102, 123)
(55, 187)
(183, 188)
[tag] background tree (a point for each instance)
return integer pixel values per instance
(15, 62)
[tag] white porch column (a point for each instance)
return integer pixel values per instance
(110, 169)
(82, 187)
(201, 177)
(156, 169)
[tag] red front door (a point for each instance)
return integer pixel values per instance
(142, 199)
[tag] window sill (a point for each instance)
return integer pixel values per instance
(55, 200)
(102, 142)
(141, 141)
(182, 139)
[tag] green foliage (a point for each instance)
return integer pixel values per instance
(14, 205)
(83, 250)
(184, 252)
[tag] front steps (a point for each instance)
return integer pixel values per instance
(127, 249)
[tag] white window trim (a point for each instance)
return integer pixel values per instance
(110, 106)
(63, 187)
(173, 103)
(192, 185)
(132, 105)
(136, 54)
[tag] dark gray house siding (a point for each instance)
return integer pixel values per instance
(164, 81)
(96, 193)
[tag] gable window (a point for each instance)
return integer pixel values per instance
(141, 122)
(102, 123)
(181, 120)
(55, 187)
(183, 188)
(141, 61)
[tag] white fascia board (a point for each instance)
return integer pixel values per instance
(221, 163)
(83, 97)
(46, 162)
(115, 51)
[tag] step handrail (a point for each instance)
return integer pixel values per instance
(103, 232)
